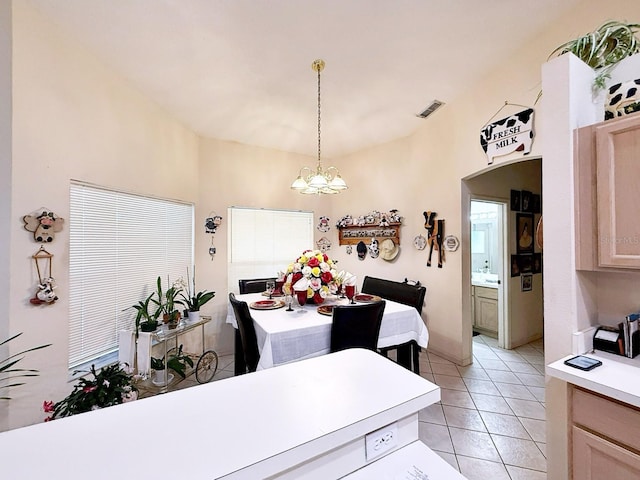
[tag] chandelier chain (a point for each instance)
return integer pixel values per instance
(319, 117)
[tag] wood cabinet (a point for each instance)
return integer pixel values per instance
(485, 310)
(604, 437)
(607, 199)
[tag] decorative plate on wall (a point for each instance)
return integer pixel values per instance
(420, 242)
(451, 243)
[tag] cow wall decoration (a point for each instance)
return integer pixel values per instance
(44, 224)
(45, 294)
(510, 134)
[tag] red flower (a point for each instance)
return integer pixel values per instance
(317, 298)
(89, 389)
(313, 262)
(47, 407)
(325, 257)
(326, 277)
(48, 419)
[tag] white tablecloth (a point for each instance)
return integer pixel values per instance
(285, 337)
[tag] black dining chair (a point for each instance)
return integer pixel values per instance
(356, 326)
(247, 333)
(407, 354)
(253, 285)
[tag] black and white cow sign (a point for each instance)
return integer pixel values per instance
(622, 99)
(511, 134)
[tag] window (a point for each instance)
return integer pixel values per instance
(119, 244)
(263, 242)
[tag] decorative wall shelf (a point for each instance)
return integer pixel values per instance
(353, 234)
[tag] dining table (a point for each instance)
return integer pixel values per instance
(289, 336)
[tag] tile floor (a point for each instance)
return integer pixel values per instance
(490, 423)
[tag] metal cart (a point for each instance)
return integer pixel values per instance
(205, 365)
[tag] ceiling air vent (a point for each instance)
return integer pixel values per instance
(433, 106)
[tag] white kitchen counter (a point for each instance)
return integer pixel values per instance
(313, 413)
(618, 377)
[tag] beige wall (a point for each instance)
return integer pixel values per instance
(73, 119)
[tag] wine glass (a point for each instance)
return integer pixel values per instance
(350, 291)
(288, 300)
(271, 287)
(301, 296)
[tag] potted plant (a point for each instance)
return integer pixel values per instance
(177, 362)
(193, 301)
(604, 48)
(112, 385)
(166, 302)
(9, 372)
(146, 321)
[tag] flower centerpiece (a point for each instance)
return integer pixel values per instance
(315, 272)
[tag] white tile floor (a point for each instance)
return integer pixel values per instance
(491, 420)
(490, 423)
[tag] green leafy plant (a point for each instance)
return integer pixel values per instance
(112, 385)
(603, 48)
(195, 302)
(177, 362)
(7, 367)
(191, 300)
(145, 319)
(167, 300)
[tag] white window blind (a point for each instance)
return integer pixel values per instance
(119, 244)
(263, 242)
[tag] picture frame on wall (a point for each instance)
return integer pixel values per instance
(535, 203)
(524, 233)
(526, 201)
(537, 263)
(526, 282)
(526, 263)
(515, 200)
(515, 266)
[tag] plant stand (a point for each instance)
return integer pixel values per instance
(205, 363)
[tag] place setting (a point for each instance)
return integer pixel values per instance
(267, 304)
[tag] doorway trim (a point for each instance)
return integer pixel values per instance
(504, 273)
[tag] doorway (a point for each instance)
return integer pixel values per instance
(488, 254)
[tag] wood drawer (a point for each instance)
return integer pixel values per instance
(617, 421)
(597, 459)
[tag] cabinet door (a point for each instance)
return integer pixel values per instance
(618, 192)
(597, 459)
(486, 309)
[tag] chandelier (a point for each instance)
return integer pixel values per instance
(320, 180)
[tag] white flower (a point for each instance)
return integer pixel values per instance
(306, 271)
(324, 267)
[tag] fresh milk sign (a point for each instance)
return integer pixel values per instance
(511, 134)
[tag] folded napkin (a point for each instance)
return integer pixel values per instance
(301, 285)
(350, 279)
